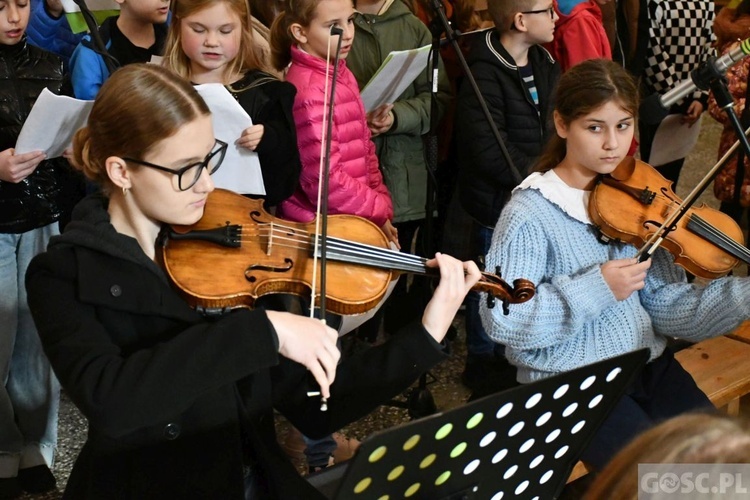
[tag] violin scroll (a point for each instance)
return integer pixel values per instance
(521, 291)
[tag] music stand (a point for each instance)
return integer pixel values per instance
(521, 442)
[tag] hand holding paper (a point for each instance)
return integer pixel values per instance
(397, 72)
(51, 124)
(240, 171)
(380, 120)
(15, 168)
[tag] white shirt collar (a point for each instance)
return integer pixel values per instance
(572, 201)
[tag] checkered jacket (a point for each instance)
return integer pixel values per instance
(680, 38)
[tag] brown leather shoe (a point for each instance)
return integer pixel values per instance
(346, 447)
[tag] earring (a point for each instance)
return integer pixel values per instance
(124, 191)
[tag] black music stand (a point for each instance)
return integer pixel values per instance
(521, 442)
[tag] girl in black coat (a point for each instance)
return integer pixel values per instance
(181, 406)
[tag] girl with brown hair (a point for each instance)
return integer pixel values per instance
(596, 301)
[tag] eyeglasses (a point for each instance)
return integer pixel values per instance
(550, 10)
(188, 175)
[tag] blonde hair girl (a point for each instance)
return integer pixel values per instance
(211, 41)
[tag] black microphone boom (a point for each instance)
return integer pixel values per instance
(656, 106)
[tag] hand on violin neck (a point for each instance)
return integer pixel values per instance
(456, 279)
(309, 342)
(625, 276)
(391, 233)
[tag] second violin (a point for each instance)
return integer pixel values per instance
(633, 202)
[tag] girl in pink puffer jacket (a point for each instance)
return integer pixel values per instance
(303, 37)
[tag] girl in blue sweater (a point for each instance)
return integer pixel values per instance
(595, 301)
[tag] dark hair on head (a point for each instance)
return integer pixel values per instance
(266, 10)
(582, 89)
(301, 12)
(136, 108)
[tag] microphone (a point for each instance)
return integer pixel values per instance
(336, 31)
(656, 106)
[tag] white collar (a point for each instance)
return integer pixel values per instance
(572, 201)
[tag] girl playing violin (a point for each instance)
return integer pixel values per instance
(596, 301)
(179, 405)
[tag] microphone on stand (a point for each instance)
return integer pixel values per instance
(656, 106)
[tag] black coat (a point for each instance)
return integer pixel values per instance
(269, 102)
(484, 177)
(176, 403)
(40, 198)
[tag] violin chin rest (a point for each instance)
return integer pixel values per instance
(624, 170)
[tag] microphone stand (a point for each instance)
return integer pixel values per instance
(110, 62)
(725, 101)
(452, 36)
(420, 402)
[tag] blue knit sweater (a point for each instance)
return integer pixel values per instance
(574, 319)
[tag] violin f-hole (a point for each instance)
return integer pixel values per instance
(249, 272)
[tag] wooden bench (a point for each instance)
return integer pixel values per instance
(719, 366)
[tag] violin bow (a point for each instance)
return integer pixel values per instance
(656, 239)
(321, 215)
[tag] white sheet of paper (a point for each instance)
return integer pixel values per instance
(51, 124)
(397, 72)
(240, 171)
(93, 5)
(673, 140)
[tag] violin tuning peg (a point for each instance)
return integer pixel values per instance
(480, 262)
(490, 301)
(506, 309)
(497, 272)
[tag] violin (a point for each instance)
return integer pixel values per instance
(238, 252)
(635, 201)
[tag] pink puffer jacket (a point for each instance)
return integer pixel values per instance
(355, 183)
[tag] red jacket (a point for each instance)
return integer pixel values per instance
(580, 36)
(355, 183)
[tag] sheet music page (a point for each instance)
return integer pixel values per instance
(673, 140)
(51, 124)
(397, 72)
(240, 172)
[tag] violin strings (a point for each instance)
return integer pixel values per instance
(740, 251)
(291, 237)
(735, 249)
